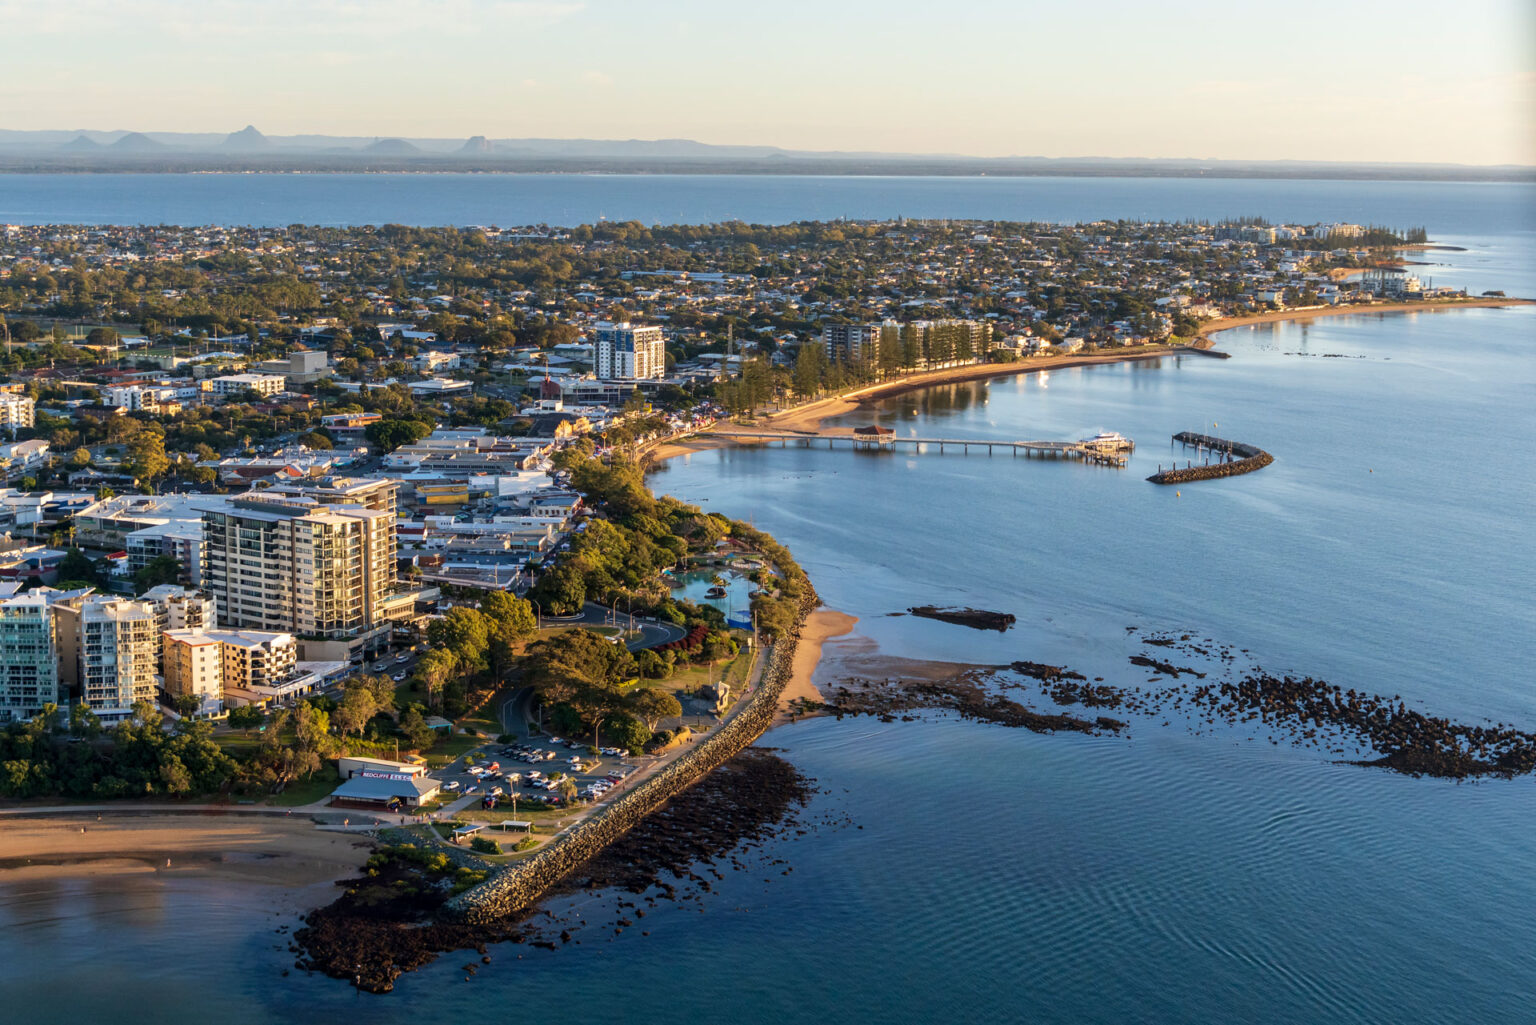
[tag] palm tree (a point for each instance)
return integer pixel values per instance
(567, 790)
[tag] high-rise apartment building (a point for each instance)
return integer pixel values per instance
(312, 560)
(29, 661)
(629, 352)
(109, 652)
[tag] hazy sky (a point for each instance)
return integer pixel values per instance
(1406, 80)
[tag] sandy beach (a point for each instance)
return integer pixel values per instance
(820, 627)
(277, 850)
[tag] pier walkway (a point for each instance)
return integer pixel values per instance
(1099, 453)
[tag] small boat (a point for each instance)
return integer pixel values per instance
(1110, 440)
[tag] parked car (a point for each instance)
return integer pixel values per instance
(452, 786)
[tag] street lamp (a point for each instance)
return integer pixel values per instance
(538, 614)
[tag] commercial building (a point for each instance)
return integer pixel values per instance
(108, 652)
(375, 783)
(305, 366)
(629, 352)
(305, 560)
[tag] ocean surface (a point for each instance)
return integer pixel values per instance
(1464, 210)
(964, 872)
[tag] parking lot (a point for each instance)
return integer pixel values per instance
(531, 772)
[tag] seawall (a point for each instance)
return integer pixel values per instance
(519, 885)
(1250, 458)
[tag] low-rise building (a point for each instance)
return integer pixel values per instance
(238, 384)
(16, 412)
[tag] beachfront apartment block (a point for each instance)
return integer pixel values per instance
(850, 343)
(216, 665)
(29, 664)
(16, 412)
(109, 653)
(286, 559)
(629, 352)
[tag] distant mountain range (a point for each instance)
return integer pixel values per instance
(250, 150)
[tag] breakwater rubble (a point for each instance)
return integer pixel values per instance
(1239, 459)
(979, 619)
(391, 921)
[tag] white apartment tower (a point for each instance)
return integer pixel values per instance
(109, 652)
(629, 352)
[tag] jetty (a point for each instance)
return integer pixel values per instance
(1106, 450)
(1228, 459)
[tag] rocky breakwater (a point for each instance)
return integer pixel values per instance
(520, 885)
(1239, 459)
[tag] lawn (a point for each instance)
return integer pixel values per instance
(306, 791)
(694, 677)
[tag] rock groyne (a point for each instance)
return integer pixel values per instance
(1240, 459)
(519, 885)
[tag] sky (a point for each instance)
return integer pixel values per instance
(1363, 80)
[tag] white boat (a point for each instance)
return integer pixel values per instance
(1107, 439)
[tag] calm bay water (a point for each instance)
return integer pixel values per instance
(1467, 209)
(962, 872)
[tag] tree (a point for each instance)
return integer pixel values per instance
(651, 705)
(626, 731)
(316, 441)
(175, 776)
(413, 726)
(311, 727)
(146, 459)
(465, 633)
(80, 459)
(435, 669)
(358, 705)
(510, 621)
(163, 569)
(566, 788)
(77, 566)
(186, 705)
(390, 434)
(83, 722)
(562, 590)
(246, 718)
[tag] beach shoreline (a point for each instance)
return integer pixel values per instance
(821, 626)
(808, 418)
(290, 853)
